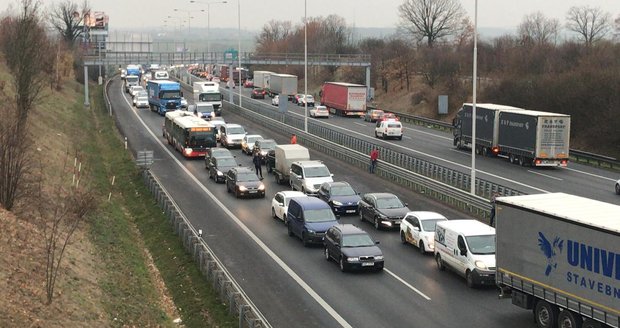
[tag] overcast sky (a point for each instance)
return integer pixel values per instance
(360, 13)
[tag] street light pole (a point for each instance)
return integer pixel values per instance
(473, 110)
(306, 65)
(239, 47)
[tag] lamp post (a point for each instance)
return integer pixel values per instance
(208, 20)
(239, 47)
(189, 19)
(306, 65)
(473, 110)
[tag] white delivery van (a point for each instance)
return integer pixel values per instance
(308, 176)
(389, 128)
(160, 75)
(468, 248)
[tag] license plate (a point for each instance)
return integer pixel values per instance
(367, 264)
(350, 211)
(253, 191)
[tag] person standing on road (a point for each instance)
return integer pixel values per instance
(293, 139)
(257, 164)
(492, 216)
(374, 156)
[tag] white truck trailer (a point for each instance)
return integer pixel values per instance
(285, 155)
(559, 255)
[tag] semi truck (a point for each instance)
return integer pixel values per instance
(344, 99)
(164, 95)
(525, 137)
(285, 155)
(284, 85)
(208, 92)
(261, 79)
(559, 256)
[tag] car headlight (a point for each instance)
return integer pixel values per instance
(242, 188)
(312, 232)
(263, 153)
(353, 259)
(188, 151)
(379, 257)
(337, 203)
(220, 173)
(480, 265)
(261, 187)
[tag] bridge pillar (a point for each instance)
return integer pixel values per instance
(86, 100)
(368, 82)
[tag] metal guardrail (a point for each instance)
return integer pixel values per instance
(578, 156)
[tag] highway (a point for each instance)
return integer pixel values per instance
(436, 146)
(295, 286)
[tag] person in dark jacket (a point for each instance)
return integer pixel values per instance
(257, 164)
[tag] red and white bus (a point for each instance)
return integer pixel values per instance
(190, 135)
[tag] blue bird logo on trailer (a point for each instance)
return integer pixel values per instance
(550, 250)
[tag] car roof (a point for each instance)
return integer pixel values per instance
(349, 229)
(310, 203)
(243, 169)
(232, 125)
(292, 193)
(248, 136)
(310, 163)
(468, 227)
(336, 183)
(426, 215)
(381, 195)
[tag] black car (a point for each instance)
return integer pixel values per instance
(220, 166)
(242, 181)
(216, 152)
(382, 209)
(258, 93)
(352, 248)
(340, 197)
(263, 146)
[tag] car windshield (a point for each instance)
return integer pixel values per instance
(320, 215)
(204, 108)
(209, 97)
(226, 162)
(357, 240)
(310, 98)
(201, 139)
(252, 140)
(317, 172)
(236, 130)
(170, 94)
(268, 145)
(143, 98)
(481, 245)
(393, 125)
(143, 94)
(429, 225)
(247, 177)
(342, 191)
(389, 202)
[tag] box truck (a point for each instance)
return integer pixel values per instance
(285, 155)
(164, 95)
(261, 79)
(208, 92)
(345, 99)
(284, 85)
(559, 255)
(523, 136)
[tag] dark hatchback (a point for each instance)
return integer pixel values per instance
(352, 248)
(340, 196)
(220, 166)
(383, 210)
(243, 182)
(215, 152)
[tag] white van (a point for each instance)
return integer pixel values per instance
(308, 176)
(389, 128)
(160, 75)
(468, 248)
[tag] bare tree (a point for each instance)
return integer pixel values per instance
(68, 20)
(25, 46)
(591, 24)
(538, 29)
(60, 212)
(273, 35)
(430, 19)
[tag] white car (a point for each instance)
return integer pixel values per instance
(618, 187)
(141, 101)
(318, 111)
(275, 100)
(302, 100)
(279, 203)
(183, 102)
(389, 128)
(418, 228)
(134, 90)
(247, 144)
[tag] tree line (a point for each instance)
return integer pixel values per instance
(568, 66)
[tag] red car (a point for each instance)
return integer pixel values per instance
(258, 93)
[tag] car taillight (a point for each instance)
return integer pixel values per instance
(495, 150)
(537, 162)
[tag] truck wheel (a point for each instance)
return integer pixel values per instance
(470, 279)
(521, 160)
(511, 158)
(545, 314)
(568, 319)
(439, 263)
(485, 151)
(589, 323)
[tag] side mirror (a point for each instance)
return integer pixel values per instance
(377, 242)
(416, 228)
(406, 204)
(281, 203)
(337, 244)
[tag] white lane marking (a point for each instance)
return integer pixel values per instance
(545, 175)
(407, 284)
(428, 133)
(440, 159)
(591, 174)
(247, 230)
(407, 137)
(360, 124)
